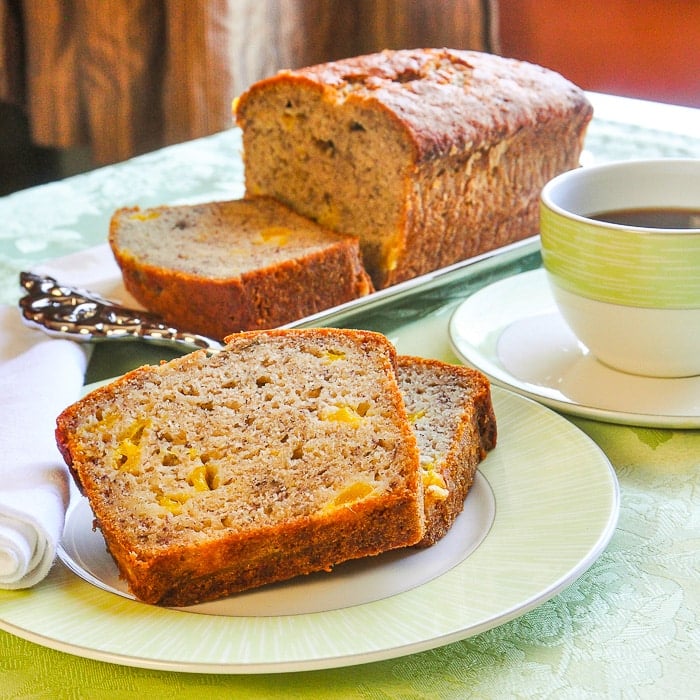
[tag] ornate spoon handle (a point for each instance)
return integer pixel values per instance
(78, 314)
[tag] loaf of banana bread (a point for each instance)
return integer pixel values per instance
(430, 156)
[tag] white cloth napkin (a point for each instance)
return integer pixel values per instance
(39, 377)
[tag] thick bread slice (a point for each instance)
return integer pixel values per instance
(223, 267)
(285, 453)
(450, 409)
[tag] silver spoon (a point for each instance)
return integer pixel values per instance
(78, 314)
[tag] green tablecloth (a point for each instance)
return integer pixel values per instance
(628, 627)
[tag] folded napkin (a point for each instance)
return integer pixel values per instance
(39, 377)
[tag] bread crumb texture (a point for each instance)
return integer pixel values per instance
(221, 240)
(261, 430)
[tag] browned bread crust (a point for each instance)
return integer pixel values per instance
(430, 156)
(452, 415)
(223, 267)
(285, 453)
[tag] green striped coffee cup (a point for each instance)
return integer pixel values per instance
(630, 292)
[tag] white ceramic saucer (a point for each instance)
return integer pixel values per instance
(513, 332)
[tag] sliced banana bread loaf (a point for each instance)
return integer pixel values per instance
(223, 267)
(430, 156)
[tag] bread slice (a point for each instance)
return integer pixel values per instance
(223, 267)
(451, 412)
(430, 156)
(287, 452)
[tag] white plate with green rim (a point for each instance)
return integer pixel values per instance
(544, 508)
(513, 332)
